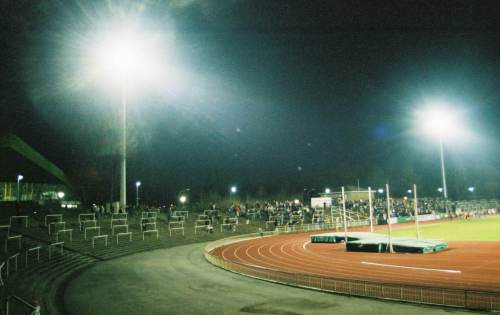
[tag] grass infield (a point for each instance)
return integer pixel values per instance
(486, 228)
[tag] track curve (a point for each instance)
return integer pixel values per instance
(465, 265)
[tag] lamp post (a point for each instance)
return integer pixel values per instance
(137, 185)
(19, 179)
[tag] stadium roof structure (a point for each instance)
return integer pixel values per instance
(18, 157)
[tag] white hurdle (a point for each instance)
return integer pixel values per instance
(145, 225)
(201, 224)
(123, 234)
(150, 231)
(149, 214)
(183, 213)
(13, 257)
(105, 237)
(174, 226)
(58, 217)
(82, 217)
(97, 228)
(118, 227)
(5, 227)
(11, 238)
(70, 231)
(55, 224)
(22, 217)
(37, 249)
(1, 278)
(54, 245)
(118, 221)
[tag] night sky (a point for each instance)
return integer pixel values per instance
(272, 96)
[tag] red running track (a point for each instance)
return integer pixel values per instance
(465, 265)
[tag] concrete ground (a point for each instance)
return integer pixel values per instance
(179, 281)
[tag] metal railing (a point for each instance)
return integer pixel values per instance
(470, 299)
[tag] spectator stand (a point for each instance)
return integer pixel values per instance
(252, 213)
(273, 221)
(82, 217)
(17, 218)
(53, 218)
(175, 226)
(318, 216)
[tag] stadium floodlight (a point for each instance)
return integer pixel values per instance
(183, 199)
(471, 189)
(234, 189)
(19, 179)
(409, 191)
(124, 55)
(327, 190)
(440, 189)
(380, 191)
(60, 195)
(441, 122)
(137, 185)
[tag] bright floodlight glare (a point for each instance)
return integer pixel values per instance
(471, 189)
(440, 121)
(137, 184)
(327, 191)
(380, 191)
(440, 189)
(234, 189)
(60, 195)
(409, 191)
(126, 53)
(183, 199)
(296, 201)
(20, 177)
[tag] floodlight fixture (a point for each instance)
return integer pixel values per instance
(137, 184)
(20, 177)
(296, 201)
(183, 199)
(60, 195)
(327, 190)
(380, 191)
(471, 189)
(234, 189)
(409, 191)
(440, 189)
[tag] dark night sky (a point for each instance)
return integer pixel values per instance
(278, 94)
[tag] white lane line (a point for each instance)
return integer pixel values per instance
(412, 268)
(305, 244)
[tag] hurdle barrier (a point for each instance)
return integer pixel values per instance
(119, 216)
(88, 223)
(1, 273)
(82, 217)
(150, 231)
(13, 257)
(58, 217)
(177, 218)
(203, 217)
(123, 234)
(5, 227)
(273, 222)
(37, 249)
(10, 238)
(149, 214)
(146, 224)
(22, 217)
(118, 227)
(175, 226)
(210, 212)
(104, 236)
(70, 231)
(55, 224)
(97, 228)
(119, 221)
(201, 224)
(183, 213)
(54, 245)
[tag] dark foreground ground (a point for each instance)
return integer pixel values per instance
(178, 280)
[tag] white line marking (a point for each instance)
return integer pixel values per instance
(413, 268)
(305, 244)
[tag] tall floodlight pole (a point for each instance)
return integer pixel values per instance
(345, 216)
(389, 217)
(415, 205)
(137, 185)
(443, 172)
(123, 155)
(19, 179)
(371, 208)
